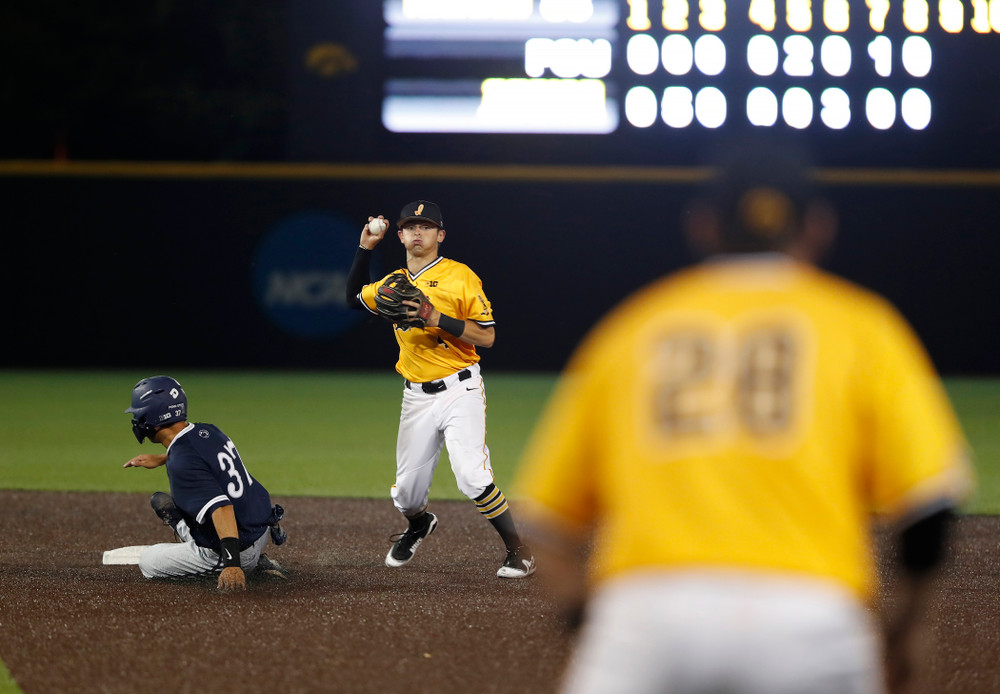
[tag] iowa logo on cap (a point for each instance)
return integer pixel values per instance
(421, 209)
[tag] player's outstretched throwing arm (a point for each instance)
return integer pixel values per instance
(358, 275)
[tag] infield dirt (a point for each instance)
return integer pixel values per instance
(343, 622)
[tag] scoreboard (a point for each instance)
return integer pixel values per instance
(882, 82)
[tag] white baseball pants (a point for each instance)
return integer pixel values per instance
(454, 417)
(185, 558)
(739, 633)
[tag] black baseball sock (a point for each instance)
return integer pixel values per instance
(493, 505)
(419, 521)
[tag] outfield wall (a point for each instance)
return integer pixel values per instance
(152, 268)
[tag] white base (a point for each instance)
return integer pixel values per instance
(124, 555)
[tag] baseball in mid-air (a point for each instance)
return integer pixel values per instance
(377, 226)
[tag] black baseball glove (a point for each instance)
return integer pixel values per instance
(390, 297)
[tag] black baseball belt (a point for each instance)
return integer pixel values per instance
(432, 387)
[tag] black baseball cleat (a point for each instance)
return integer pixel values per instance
(270, 568)
(165, 508)
(519, 564)
(405, 544)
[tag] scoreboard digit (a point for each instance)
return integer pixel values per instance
(601, 66)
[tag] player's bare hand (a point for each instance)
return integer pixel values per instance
(427, 310)
(232, 579)
(146, 460)
(373, 232)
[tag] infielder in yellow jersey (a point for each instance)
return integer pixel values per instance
(723, 438)
(444, 398)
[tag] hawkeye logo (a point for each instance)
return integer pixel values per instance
(300, 275)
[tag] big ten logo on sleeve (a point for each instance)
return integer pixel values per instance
(300, 274)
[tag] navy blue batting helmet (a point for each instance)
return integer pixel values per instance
(156, 401)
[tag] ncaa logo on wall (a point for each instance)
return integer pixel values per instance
(300, 274)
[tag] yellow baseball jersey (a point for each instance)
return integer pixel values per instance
(427, 354)
(747, 413)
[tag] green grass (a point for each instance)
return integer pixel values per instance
(310, 434)
(977, 402)
(301, 434)
(7, 683)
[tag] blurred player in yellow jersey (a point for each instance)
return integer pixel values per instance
(723, 439)
(444, 397)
